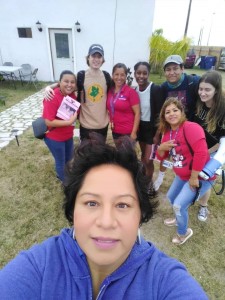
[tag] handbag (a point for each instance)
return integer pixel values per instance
(39, 128)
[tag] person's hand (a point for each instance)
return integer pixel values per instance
(73, 118)
(49, 93)
(167, 146)
(193, 182)
(111, 125)
(133, 136)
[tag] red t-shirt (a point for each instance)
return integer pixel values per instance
(50, 108)
(120, 109)
(183, 162)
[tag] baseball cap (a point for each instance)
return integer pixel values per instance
(176, 59)
(96, 48)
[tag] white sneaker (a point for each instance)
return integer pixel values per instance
(203, 213)
(158, 182)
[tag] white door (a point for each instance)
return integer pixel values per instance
(62, 51)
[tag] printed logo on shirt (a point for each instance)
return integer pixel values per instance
(180, 95)
(122, 97)
(95, 93)
(179, 161)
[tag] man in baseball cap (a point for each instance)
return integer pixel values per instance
(96, 48)
(176, 59)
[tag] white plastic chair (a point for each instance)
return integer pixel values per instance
(26, 72)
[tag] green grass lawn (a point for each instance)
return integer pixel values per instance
(13, 96)
(31, 200)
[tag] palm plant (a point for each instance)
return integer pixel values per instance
(160, 48)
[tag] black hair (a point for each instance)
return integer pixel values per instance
(142, 63)
(120, 65)
(65, 72)
(92, 153)
(216, 114)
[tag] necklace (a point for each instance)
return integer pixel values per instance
(172, 150)
(175, 135)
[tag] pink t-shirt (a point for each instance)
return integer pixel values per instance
(120, 109)
(59, 134)
(183, 162)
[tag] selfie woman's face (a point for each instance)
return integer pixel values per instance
(107, 216)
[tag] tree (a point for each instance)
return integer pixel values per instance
(160, 48)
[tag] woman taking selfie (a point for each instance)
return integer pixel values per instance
(103, 255)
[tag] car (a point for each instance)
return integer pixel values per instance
(222, 59)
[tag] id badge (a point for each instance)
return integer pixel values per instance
(167, 164)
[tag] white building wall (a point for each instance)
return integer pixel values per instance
(123, 27)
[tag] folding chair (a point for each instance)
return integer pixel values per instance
(33, 78)
(26, 72)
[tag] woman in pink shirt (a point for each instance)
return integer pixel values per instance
(185, 143)
(123, 104)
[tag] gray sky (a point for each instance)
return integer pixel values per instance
(208, 15)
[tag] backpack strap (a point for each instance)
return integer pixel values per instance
(80, 85)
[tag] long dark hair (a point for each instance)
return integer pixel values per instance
(216, 114)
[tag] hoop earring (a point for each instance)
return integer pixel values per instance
(138, 240)
(74, 234)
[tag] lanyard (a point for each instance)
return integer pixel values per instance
(173, 151)
(113, 100)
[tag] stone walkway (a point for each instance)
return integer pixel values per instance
(18, 118)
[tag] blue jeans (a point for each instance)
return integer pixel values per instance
(62, 153)
(181, 197)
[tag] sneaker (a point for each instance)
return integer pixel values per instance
(203, 213)
(170, 222)
(181, 239)
(158, 183)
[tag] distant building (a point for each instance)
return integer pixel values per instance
(122, 27)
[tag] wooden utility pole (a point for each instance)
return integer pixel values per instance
(187, 21)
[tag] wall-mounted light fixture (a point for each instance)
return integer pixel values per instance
(77, 24)
(39, 26)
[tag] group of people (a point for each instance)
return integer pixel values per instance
(134, 112)
(141, 114)
(106, 188)
(128, 111)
